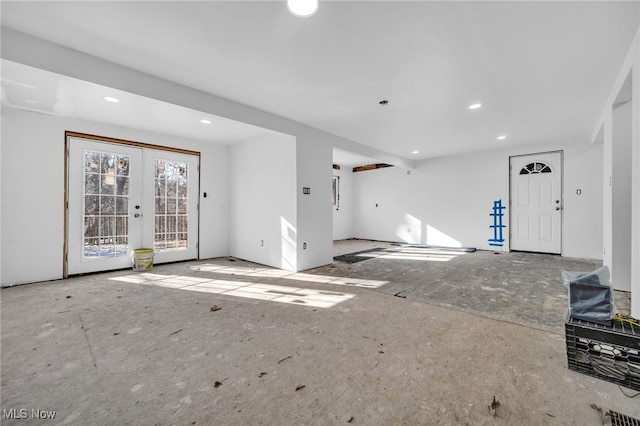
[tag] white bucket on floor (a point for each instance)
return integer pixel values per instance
(142, 259)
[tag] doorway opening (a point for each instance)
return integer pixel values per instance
(121, 196)
(536, 202)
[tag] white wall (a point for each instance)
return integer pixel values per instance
(583, 220)
(32, 197)
(447, 201)
(635, 179)
(431, 205)
(263, 204)
(1, 205)
(343, 214)
(314, 160)
(604, 130)
(32, 156)
(621, 197)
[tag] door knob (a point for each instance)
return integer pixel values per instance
(557, 208)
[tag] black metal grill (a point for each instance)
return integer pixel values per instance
(619, 419)
(616, 326)
(609, 353)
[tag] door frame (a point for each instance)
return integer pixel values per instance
(558, 151)
(95, 138)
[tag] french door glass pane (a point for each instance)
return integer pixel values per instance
(106, 202)
(171, 186)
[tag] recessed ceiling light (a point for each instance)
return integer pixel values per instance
(475, 106)
(111, 99)
(205, 121)
(501, 137)
(415, 152)
(302, 8)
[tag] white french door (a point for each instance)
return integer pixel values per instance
(122, 197)
(536, 203)
(170, 197)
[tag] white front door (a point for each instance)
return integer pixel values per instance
(121, 198)
(536, 203)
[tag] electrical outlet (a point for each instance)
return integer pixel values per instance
(261, 243)
(304, 246)
(408, 230)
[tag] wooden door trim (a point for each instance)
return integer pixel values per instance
(70, 134)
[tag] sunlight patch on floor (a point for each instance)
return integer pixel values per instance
(279, 273)
(269, 292)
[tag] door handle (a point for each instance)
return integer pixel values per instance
(137, 215)
(558, 208)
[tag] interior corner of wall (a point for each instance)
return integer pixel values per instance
(599, 136)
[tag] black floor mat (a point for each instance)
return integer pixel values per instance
(360, 255)
(424, 246)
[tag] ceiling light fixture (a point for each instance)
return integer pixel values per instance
(302, 8)
(415, 152)
(500, 138)
(111, 99)
(475, 106)
(205, 121)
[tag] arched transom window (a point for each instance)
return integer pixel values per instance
(533, 168)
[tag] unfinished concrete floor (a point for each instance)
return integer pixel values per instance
(523, 288)
(329, 346)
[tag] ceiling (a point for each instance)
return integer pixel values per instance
(542, 70)
(33, 89)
